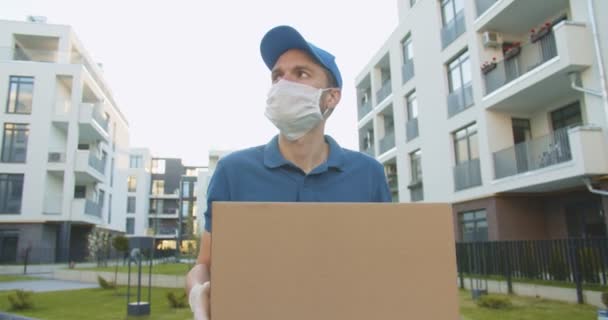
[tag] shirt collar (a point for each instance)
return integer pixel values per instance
(274, 159)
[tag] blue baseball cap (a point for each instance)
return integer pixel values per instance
(282, 38)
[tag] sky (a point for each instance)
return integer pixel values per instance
(188, 74)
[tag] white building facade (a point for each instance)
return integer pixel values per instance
(495, 106)
(65, 145)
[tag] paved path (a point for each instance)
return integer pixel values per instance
(46, 285)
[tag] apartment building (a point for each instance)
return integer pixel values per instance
(497, 107)
(65, 145)
(163, 199)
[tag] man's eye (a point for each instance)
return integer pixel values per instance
(303, 74)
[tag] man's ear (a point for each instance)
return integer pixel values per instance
(332, 97)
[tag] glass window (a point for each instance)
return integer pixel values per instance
(412, 106)
(158, 166)
(449, 10)
(20, 95)
(135, 161)
(158, 187)
(408, 48)
(14, 144)
(465, 144)
(185, 189)
(416, 166)
(130, 204)
(132, 184)
(459, 72)
(130, 226)
(11, 191)
(153, 206)
(185, 208)
(474, 226)
(568, 116)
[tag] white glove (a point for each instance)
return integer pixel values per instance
(199, 301)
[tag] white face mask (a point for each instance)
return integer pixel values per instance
(294, 108)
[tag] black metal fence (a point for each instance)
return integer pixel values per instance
(575, 261)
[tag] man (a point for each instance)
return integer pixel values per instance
(300, 164)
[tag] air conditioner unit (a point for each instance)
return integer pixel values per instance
(490, 39)
(54, 157)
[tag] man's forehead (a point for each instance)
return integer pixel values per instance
(295, 57)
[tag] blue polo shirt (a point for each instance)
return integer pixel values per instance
(263, 174)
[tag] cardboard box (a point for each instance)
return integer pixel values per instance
(279, 261)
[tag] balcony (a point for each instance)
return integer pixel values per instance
(411, 129)
(86, 208)
(416, 191)
(387, 142)
(538, 75)
(93, 125)
(555, 161)
(453, 29)
(384, 91)
(460, 99)
(364, 109)
(369, 151)
(56, 161)
(467, 175)
(89, 168)
(407, 70)
(483, 5)
(393, 183)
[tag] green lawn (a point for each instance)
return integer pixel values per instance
(551, 283)
(175, 269)
(526, 309)
(96, 304)
(9, 278)
(102, 304)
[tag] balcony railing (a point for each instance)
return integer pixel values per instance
(416, 191)
(92, 208)
(364, 109)
(411, 129)
(453, 29)
(100, 119)
(460, 99)
(369, 151)
(388, 142)
(467, 174)
(96, 163)
(483, 5)
(384, 92)
(530, 57)
(532, 155)
(407, 70)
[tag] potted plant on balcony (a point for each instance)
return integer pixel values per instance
(541, 33)
(488, 66)
(511, 50)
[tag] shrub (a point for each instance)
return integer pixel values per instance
(177, 301)
(558, 266)
(494, 302)
(605, 298)
(21, 300)
(105, 284)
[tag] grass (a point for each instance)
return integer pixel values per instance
(174, 269)
(526, 309)
(10, 278)
(551, 283)
(96, 304)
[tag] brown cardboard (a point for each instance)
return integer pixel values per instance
(292, 261)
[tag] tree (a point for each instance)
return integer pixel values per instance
(120, 244)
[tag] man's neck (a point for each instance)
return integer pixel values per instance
(307, 152)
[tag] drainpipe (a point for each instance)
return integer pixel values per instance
(587, 182)
(574, 77)
(598, 56)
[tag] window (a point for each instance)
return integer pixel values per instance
(14, 144)
(185, 189)
(412, 106)
(449, 10)
(136, 161)
(158, 166)
(130, 204)
(474, 226)
(158, 187)
(132, 184)
(408, 48)
(459, 72)
(416, 166)
(465, 144)
(153, 206)
(130, 226)
(568, 116)
(110, 209)
(185, 208)
(11, 191)
(20, 93)
(80, 192)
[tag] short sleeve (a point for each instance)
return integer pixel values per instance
(218, 190)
